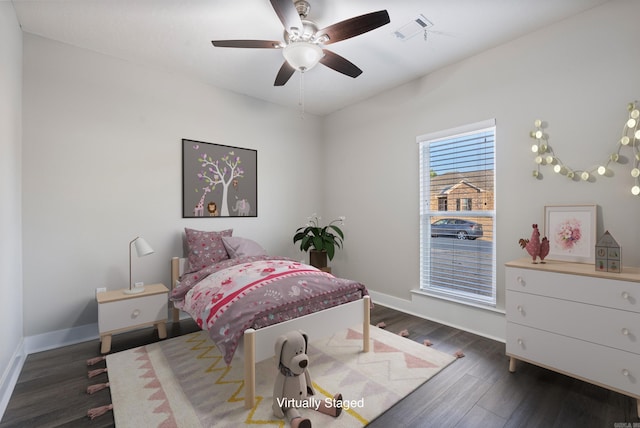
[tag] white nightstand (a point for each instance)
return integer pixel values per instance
(118, 312)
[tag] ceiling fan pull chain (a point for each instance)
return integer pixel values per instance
(301, 98)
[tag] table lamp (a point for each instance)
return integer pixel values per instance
(142, 249)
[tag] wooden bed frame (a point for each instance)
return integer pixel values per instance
(258, 345)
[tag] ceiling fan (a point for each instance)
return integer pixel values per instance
(303, 43)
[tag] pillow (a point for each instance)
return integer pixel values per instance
(242, 247)
(205, 248)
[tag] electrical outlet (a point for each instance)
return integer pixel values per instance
(101, 290)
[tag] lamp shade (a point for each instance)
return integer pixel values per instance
(142, 247)
(302, 55)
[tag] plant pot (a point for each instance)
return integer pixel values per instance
(318, 258)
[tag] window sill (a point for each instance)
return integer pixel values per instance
(458, 301)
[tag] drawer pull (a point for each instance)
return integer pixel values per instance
(520, 309)
(520, 281)
(520, 342)
(135, 313)
(625, 295)
(625, 372)
(625, 331)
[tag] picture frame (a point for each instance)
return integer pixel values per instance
(218, 180)
(571, 230)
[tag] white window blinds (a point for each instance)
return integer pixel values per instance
(457, 214)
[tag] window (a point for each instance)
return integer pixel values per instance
(463, 204)
(442, 204)
(457, 250)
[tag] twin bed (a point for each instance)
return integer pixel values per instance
(246, 299)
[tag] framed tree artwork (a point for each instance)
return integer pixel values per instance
(218, 181)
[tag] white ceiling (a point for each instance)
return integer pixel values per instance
(176, 35)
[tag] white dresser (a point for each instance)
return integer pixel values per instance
(569, 318)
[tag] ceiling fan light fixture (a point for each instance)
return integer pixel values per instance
(302, 55)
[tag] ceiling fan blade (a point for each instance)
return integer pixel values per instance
(340, 64)
(285, 73)
(354, 26)
(257, 44)
(288, 14)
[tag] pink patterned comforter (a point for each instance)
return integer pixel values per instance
(258, 291)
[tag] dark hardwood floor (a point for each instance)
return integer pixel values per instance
(474, 391)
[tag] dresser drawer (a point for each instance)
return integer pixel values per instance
(604, 366)
(609, 327)
(123, 314)
(611, 293)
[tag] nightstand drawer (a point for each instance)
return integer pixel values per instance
(124, 314)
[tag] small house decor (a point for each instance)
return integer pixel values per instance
(608, 254)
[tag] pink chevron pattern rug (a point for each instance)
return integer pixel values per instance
(184, 382)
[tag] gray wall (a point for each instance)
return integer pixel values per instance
(102, 162)
(103, 156)
(578, 75)
(10, 186)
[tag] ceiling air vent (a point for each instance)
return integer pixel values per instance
(413, 28)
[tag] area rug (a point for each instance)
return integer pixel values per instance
(184, 382)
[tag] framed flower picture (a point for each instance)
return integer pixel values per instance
(571, 230)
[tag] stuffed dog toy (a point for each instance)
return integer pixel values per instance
(293, 384)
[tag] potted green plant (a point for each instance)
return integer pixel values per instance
(320, 241)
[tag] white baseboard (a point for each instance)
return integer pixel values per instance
(10, 377)
(486, 323)
(38, 343)
(60, 338)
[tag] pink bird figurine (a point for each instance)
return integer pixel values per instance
(533, 245)
(544, 249)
